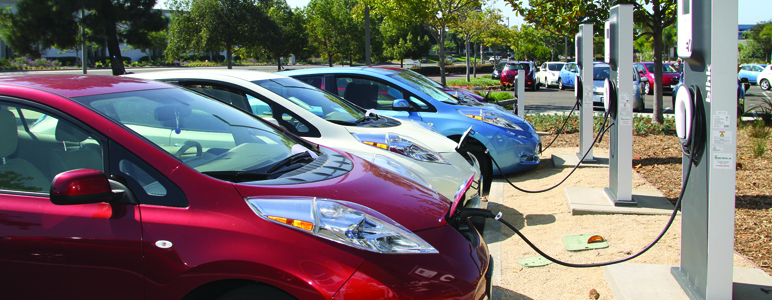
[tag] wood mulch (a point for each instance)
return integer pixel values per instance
(657, 158)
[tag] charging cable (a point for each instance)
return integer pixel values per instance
(693, 147)
(601, 132)
(577, 104)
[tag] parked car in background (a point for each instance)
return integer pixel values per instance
(670, 76)
(509, 73)
(765, 78)
(600, 73)
(411, 148)
(751, 72)
(497, 69)
(742, 86)
(548, 73)
(121, 188)
(567, 74)
(405, 94)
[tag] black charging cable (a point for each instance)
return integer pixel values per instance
(577, 104)
(601, 132)
(695, 143)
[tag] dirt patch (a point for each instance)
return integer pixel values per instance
(545, 219)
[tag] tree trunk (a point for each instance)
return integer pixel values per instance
(329, 59)
(401, 63)
(468, 62)
(439, 36)
(657, 84)
(228, 57)
(114, 50)
(278, 64)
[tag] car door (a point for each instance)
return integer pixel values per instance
(372, 93)
(48, 251)
(574, 71)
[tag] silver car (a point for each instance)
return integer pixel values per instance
(600, 72)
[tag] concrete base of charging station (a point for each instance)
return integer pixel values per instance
(584, 201)
(566, 160)
(640, 281)
(492, 234)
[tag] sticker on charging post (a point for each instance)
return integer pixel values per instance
(722, 137)
(723, 161)
(626, 120)
(721, 119)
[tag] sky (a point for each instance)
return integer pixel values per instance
(749, 11)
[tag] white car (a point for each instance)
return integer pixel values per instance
(410, 148)
(765, 78)
(548, 73)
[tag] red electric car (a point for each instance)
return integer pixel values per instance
(511, 69)
(670, 76)
(119, 188)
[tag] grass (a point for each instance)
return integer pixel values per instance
(759, 147)
(498, 96)
(759, 130)
(481, 82)
(641, 125)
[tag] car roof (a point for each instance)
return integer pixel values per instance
(77, 85)
(363, 69)
(239, 74)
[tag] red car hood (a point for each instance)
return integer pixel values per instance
(413, 206)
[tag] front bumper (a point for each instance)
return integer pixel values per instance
(515, 151)
(462, 270)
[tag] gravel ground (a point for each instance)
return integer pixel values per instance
(545, 219)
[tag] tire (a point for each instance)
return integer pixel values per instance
(647, 88)
(560, 84)
(535, 86)
(256, 292)
(641, 107)
(764, 84)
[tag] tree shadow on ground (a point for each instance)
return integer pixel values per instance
(650, 161)
(518, 220)
(755, 202)
(502, 293)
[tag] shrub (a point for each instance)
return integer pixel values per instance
(481, 82)
(499, 96)
(759, 147)
(759, 130)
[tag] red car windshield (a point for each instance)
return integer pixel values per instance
(666, 68)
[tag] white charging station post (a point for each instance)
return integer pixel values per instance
(520, 92)
(619, 56)
(584, 58)
(707, 41)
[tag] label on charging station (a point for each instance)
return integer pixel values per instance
(721, 119)
(722, 138)
(723, 161)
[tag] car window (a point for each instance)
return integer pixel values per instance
(601, 73)
(757, 68)
(746, 68)
(425, 85)
(203, 133)
(37, 146)
(368, 93)
(315, 81)
(555, 67)
(319, 102)
(667, 68)
(223, 93)
(145, 182)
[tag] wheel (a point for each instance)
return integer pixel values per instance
(641, 107)
(647, 88)
(256, 292)
(186, 146)
(764, 84)
(560, 84)
(535, 86)
(486, 170)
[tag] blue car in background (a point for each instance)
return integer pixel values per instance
(511, 140)
(567, 75)
(751, 72)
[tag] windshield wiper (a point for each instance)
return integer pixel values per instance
(339, 122)
(283, 166)
(290, 163)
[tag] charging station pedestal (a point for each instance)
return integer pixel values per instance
(520, 93)
(584, 95)
(618, 197)
(619, 56)
(707, 36)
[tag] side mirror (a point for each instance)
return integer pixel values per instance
(82, 186)
(401, 105)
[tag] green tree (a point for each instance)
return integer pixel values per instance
(40, 24)
(328, 25)
(291, 36)
(403, 40)
(434, 15)
(213, 25)
(473, 22)
(157, 40)
(761, 34)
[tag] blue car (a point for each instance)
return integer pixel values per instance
(751, 72)
(567, 74)
(511, 140)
